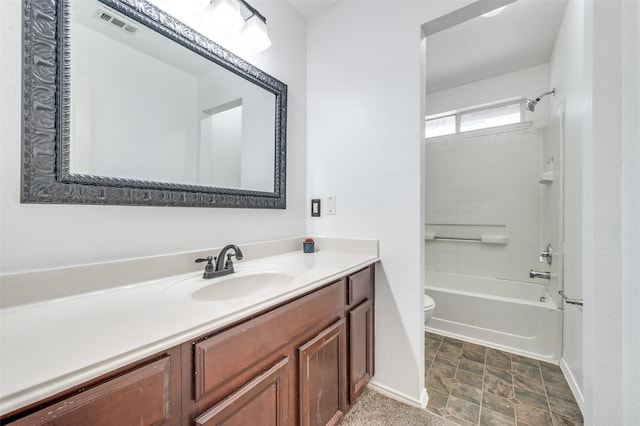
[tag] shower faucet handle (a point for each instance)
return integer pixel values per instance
(547, 254)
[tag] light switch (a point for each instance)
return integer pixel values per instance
(315, 207)
(331, 204)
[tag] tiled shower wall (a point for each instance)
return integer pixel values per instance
(489, 180)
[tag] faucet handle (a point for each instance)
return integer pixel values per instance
(209, 266)
(547, 254)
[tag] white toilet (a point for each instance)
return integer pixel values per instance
(429, 306)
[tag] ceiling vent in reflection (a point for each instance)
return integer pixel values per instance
(120, 22)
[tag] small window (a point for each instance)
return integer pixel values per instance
(481, 117)
(440, 126)
(491, 117)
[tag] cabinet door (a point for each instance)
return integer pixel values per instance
(361, 348)
(264, 401)
(323, 371)
(139, 397)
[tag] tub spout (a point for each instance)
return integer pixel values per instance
(539, 274)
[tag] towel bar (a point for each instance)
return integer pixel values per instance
(570, 301)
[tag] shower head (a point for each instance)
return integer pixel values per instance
(531, 105)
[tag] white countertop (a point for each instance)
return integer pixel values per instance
(50, 346)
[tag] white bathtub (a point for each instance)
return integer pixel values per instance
(502, 314)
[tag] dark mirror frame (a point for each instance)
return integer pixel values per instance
(46, 117)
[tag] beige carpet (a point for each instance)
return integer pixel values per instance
(375, 409)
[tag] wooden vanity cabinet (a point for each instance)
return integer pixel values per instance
(301, 363)
(253, 368)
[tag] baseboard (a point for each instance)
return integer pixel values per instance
(573, 384)
(399, 396)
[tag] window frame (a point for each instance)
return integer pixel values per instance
(458, 115)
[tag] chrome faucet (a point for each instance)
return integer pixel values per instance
(539, 274)
(226, 267)
(221, 267)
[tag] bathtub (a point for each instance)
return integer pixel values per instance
(517, 317)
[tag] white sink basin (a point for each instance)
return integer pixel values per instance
(236, 286)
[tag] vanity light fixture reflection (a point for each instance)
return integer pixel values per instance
(224, 15)
(254, 34)
(225, 18)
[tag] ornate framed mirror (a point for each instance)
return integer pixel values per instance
(124, 104)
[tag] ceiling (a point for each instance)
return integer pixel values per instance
(308, 8)
(463, 47)
(521, 36)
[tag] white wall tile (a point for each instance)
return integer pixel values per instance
(490, 179)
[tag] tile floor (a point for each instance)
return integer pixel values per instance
(471, 384)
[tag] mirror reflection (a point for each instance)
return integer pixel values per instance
(146, 108)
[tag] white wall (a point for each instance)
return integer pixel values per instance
(630, 209)
(44, 236)
(365, 115)
(595, 64)
(219, 87)
(221, 147)
(121, 103)
(529, 82)
(611, 299)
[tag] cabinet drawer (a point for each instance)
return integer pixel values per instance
(140, 397)
(359, 287)
(231, 354)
